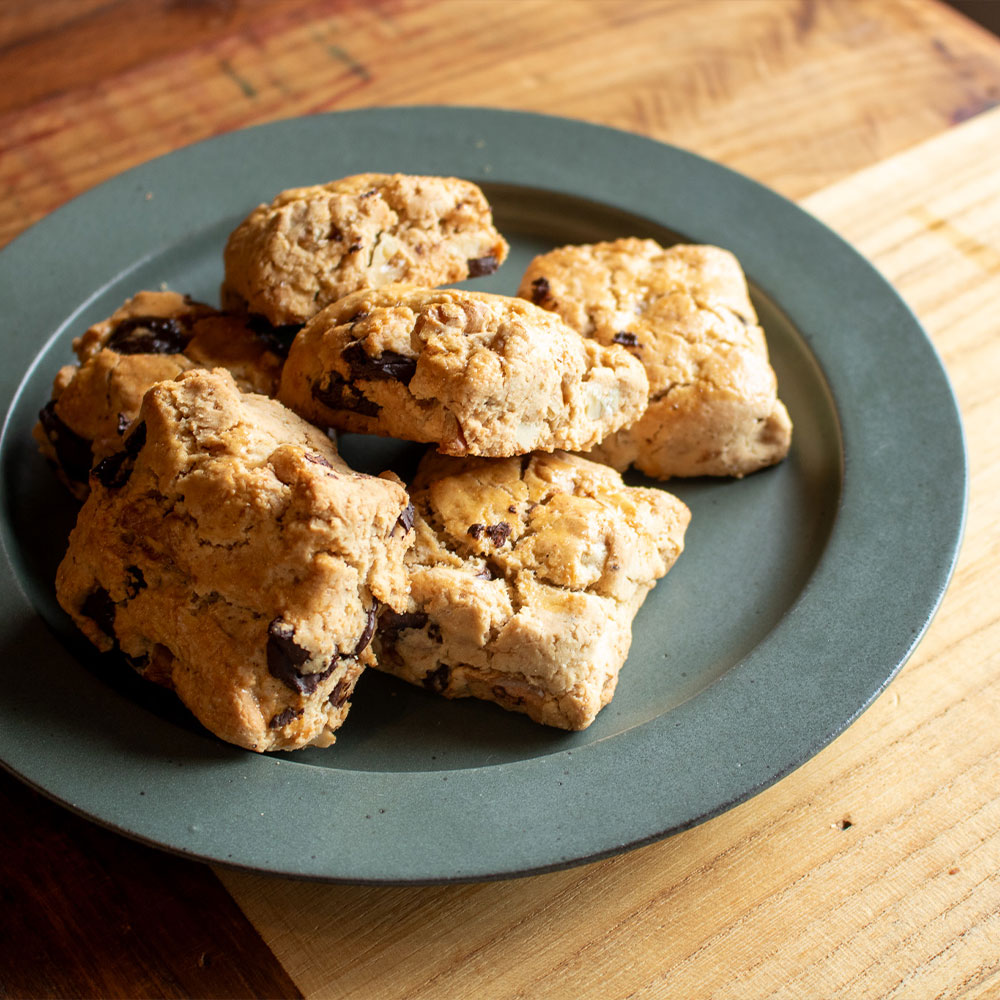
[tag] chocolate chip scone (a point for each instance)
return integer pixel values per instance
(476, 374)
(154, 336)
(231, 555)
(686, 314)
(313, 245)
(525, 576)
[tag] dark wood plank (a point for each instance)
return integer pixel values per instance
(52, 46)
(87, 913)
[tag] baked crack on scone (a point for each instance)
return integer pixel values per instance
(525, 576)
(154, 336)
(474, 373)
(685, 312)
(313, 245)
(229, 554)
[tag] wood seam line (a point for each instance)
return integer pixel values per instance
(825, 200)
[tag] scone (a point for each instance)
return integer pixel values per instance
(231, 555)
(152, 337)
(686, 314)
(525, 576)
(313, 245)
(476, 374)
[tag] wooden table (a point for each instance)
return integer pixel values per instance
(870, 872)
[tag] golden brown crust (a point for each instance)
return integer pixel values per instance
(525, 576)
(685, 312)
(153, 337)
(313, 245)
(231, 552)
(474, 373)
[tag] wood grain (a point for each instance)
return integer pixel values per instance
(873, 871)
(797, 93)
(870, 872)
(86, 913)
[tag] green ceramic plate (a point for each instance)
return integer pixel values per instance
(802, 591)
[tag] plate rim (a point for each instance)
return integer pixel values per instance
(729, 193)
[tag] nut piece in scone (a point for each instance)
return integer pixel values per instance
(525, 576)
(474, 373)
(313, 245)
(154, 336)
(686, 314)
(230, 554)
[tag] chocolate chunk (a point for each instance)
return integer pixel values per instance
(285, 656)
(72, 451)
(277, 339)
(369, 629)
(405, 520)
(391, 623)
(114, 471)
(437, 680)
(540, 290)
(100, 609)
(339, 395)
(341, 691)
(504, 696)
(282, 719)
(387, 365)
(135, 440)
(134, 581)
(478, 266)
(150, 335)
(335, 235)
(317, 459)
(497, 533)
(626, 338)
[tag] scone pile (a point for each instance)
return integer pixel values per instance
(226, 551)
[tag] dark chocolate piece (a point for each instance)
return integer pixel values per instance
(497, 533)
(150, 335)
(282, 719)
(72, 451)
(341, 691)
(135, 440)
(387, 365)
(479, 266)
(277, 339)
(369, 629)
(391, 623)
(626, 338)
(437, 680)
(285, 656)
(100, 609)
(540, 290)
(113, 472)
(405, 520)
(339, 395)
